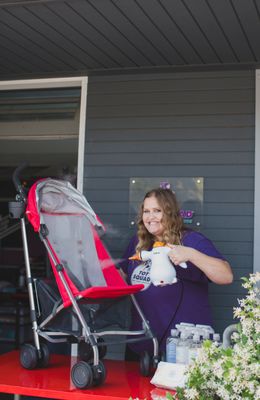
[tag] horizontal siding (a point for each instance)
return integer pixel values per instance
(169, 109)
(124, 134)
(173, 146)
(168, 121)
(132, 170)
(165, 158)
(177, 125)
(190, 97)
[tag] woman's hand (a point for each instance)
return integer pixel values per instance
(216, 269)
(179, 254)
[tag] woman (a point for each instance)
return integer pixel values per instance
(186, 300)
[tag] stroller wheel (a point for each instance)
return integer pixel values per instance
(145, 364)
(45, 356)
(99, 373)
(28, 356)
(82, 375)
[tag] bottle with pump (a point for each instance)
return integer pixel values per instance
(182, 349)
(194, 348)
(171, 344)
(205, 334)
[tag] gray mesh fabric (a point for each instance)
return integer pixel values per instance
(68, 217)
(72, 240)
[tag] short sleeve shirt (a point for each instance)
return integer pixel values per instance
(164, 306)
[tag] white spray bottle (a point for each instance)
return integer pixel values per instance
(162, 270)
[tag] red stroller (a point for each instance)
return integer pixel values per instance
(84, 275)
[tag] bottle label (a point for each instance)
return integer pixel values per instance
(181, 355)
(171, 352)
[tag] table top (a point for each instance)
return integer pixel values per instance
(123, 380)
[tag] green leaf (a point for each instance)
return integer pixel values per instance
(228, 352)
(228, 364)
(244, 339)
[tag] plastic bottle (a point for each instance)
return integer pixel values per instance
(194, 348)
(216, 339)
(205, 327)
(205, 334)
(171, 344)
(186, 327)
(182, 348)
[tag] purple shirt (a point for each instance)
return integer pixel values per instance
(165, 306)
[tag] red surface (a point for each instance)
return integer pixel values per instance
(123, 380)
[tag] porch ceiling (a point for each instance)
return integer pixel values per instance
(41, 38)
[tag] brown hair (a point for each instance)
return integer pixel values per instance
(172, 221)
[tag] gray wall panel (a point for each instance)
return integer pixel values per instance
(180, 133)
(183, 124)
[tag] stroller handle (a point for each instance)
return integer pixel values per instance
(16, 179)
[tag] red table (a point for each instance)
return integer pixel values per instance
(123, 380)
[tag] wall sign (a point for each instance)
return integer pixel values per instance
(189, 192)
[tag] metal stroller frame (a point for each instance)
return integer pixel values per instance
(90, 371)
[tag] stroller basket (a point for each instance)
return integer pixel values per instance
(86, 282)
(97, 315)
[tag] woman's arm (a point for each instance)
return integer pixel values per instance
(216, 269)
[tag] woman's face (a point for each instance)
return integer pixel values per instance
(152, 217)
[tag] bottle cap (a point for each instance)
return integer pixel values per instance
(183, 335)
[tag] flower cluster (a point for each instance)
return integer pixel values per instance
(232, 373)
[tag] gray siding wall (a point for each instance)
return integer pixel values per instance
(182, 124)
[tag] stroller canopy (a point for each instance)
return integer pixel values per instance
(56, 197)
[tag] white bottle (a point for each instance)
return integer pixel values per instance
(205, 327)
(205, 334)
(194, 348)
(216, 339)
(182, 349)
(171, 344)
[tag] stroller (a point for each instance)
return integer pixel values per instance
(86, 281)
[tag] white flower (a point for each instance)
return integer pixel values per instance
(223, 393)
(257, 395)
(254, 278)
(232, 372)
(192, 394)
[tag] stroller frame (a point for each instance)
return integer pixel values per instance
(87, 373)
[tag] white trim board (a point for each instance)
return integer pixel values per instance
(81, 82)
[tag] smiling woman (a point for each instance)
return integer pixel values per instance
(152, 217)
(187, 300)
